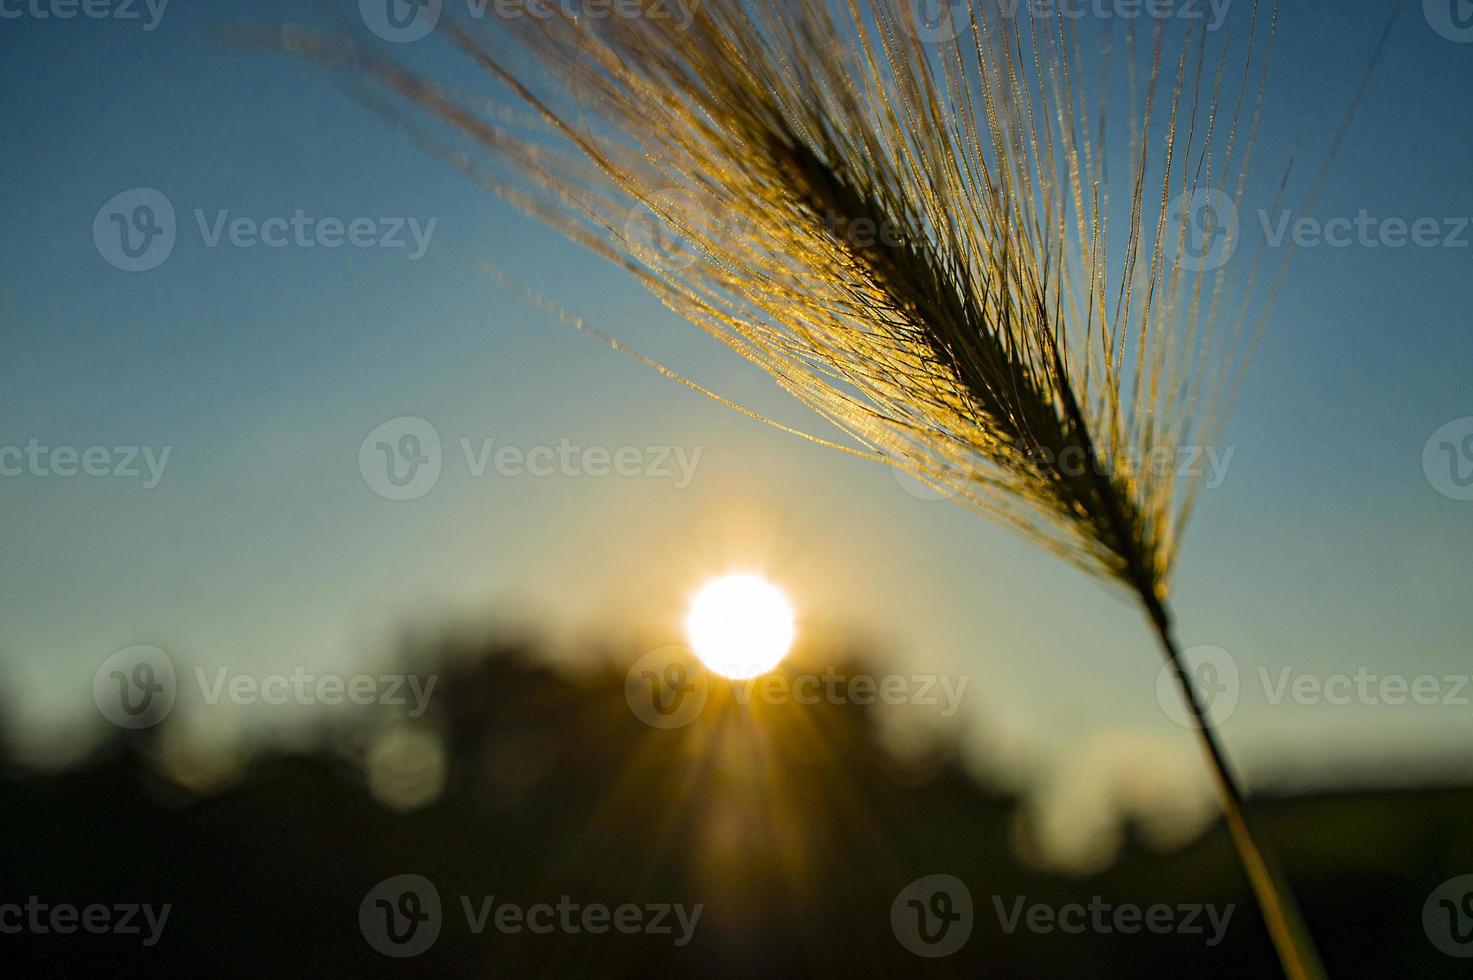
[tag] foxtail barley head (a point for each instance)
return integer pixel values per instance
(910, 225)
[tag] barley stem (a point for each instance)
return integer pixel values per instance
(1286, 927)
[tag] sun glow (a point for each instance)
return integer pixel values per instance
(740, 625)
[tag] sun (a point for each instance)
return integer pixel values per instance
(740, 625)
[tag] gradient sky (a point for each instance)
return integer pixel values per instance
(1326, 550)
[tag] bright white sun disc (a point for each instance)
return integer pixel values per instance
(740, 625)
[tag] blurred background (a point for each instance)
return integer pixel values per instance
(262, 414)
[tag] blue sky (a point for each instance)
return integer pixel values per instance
(1326, 549)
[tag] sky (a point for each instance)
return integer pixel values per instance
(1328, 549)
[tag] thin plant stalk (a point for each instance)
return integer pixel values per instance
(1291, 938)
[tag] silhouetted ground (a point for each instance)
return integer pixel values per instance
(789, 825)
